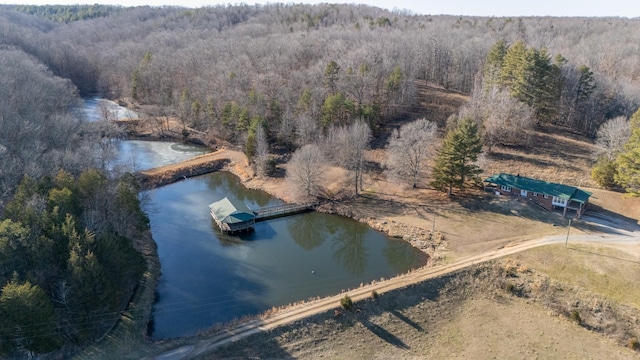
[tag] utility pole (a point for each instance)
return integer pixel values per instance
(566, 243)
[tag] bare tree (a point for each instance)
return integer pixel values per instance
(612, 136)
(409, 149)
(306, 168)
(348, 144)
(504, 119)
(307, 130)
(262, 150)
(107, 110)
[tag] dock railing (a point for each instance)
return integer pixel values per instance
(275, 211)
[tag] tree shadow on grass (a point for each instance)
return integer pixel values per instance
(382, 333)
(408, 321)
(604, 255)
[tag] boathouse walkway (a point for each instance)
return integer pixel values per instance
(276, 211)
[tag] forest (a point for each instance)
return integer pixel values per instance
(294, 79)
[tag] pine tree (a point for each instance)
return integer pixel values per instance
(628, 162)
(28, 319)
(493, 65)
(455, 164)
(586, 84)
(513, 65)
(532, 78)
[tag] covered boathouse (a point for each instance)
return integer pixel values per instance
(545, 194)
(232, 215)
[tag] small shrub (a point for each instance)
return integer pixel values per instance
(346, 302)
(510, 287)
(634, 344)
(270, 166)
(575, 316)
(374, 294)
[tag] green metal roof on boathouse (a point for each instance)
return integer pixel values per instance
(231, 211)
(543, 187)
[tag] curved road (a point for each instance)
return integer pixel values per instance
(326, 304)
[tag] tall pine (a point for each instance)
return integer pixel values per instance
(493, 65)
(532, 78)
(455, 163)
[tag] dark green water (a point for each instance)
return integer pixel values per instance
(209, 277)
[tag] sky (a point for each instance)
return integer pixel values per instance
(622, 8)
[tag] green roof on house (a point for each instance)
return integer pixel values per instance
(231, 211)
(543, 187)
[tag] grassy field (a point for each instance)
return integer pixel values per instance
(470, 314)
(609, 271)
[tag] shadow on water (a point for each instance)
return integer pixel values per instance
(262, 231)
(184, 307)
(349, 249)
(307, 232)
(209, 277)
(399, 256)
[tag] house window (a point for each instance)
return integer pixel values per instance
(545, 196)
(523, 193)
(559, 202)
(535, 194)
(505, 188)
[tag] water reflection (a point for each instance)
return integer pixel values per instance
(398, 255)
(349, 249)
(209, 277)
(230, 186)
(307, 231)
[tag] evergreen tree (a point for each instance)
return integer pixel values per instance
(514, 64)
(28, 319)
(604, 172)
(586, 84)
(628, 162)
(532, 78)
(455, 163)
(493, 65)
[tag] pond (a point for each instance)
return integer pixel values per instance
(209, 277)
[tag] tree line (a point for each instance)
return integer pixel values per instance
(220, 67)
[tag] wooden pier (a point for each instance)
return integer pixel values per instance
(272, 212)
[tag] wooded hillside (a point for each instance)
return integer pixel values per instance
(323, 79)
(283, 63)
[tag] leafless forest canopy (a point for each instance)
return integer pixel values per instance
(294, 69)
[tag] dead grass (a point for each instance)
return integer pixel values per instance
(462, 315)
(605, 270)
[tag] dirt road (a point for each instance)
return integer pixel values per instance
(311, 308)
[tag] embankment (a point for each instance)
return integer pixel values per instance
(169, 174)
